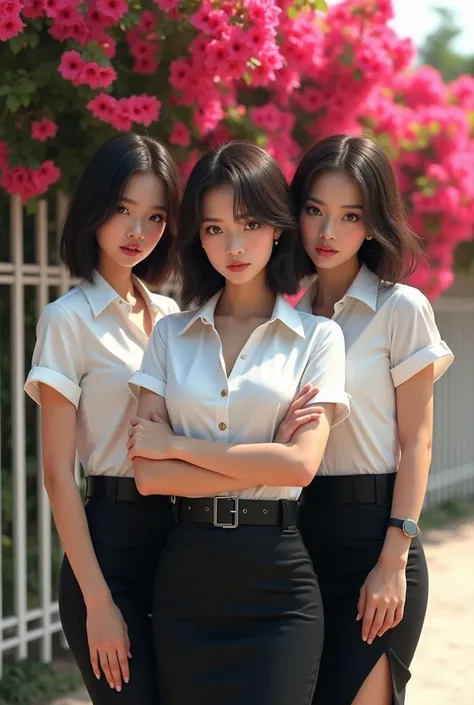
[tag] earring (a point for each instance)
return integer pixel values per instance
(369, 237)
(275, 242)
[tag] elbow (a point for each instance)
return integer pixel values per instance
(142, 480)
(305, 472)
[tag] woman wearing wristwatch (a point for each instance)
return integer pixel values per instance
(359, 515)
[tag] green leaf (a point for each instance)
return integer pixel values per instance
(12, 102)
(32, 206)
(17, 43)
(32, 38)
(28, 86)
(5, 90)
(292, 13)
(25, 100)
(321, 5)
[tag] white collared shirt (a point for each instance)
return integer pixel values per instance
(390, 335)
(87, 347)
(184, 364)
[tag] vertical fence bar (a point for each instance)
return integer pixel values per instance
(44, 514)
(18, 426)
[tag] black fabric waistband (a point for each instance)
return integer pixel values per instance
(349, 489)
(231, 512)
(118, 489)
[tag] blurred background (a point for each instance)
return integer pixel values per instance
(349, 67)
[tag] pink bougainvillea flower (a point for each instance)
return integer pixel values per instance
(43, 130)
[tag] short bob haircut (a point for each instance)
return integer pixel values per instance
(261, 192)
(395, 250)
(98, 192)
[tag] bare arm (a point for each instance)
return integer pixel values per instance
(58, 433)
(415, 431)
(174, 476)
(278, 464)
(383, 594)
(107, 634)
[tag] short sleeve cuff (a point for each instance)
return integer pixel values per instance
(332, 395)
(438, 354)
(140, 380)
(45, 375)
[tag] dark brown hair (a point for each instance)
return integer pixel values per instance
(98, 192)
(260, 192)
(395, 250)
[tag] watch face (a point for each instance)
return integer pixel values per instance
(410, 528)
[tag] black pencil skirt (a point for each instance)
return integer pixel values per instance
(128, 538)
(344, 540)
(238, 617)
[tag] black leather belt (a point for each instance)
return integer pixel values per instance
(117, 489)
(231, 512)
(349, 489)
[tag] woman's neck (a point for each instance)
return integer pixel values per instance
(119, 278)
(334, 283)
(246, 301)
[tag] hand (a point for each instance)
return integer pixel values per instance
(109, 644)
(298, 414)
(150, 439)
(382, 601)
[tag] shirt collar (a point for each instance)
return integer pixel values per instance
(282, 311)
(100, 294)
(364, 288)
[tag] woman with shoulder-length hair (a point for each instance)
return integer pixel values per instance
(238, 614)
(359, 515)
(119, 230)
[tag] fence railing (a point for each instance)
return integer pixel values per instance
(29, 613)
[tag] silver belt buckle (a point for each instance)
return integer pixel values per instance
(234, 511)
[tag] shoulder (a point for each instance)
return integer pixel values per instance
(170, 325)
(69, 308)
(319, 329)
(165, 304)
(406, 301)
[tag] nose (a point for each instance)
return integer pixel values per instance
(327, 230)
(235, 245)
(137, 229)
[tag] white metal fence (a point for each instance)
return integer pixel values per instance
(26, 285)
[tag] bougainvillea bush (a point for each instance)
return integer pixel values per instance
(282, 73)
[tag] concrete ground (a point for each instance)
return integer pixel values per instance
(443, 669)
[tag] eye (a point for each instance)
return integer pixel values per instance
(213, 230)
(352, 217)
(252, 225)
(157, 218)
(313, 210)
(121, 209)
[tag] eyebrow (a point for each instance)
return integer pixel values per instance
(134, 203)
(321, 203)
(210, 219)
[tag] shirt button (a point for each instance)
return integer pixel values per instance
(243, 357)
(222, 426)
(224, 393)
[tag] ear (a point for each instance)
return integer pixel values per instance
(277, 233)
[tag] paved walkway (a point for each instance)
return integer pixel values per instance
(443, 669)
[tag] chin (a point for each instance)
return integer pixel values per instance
(327, 262)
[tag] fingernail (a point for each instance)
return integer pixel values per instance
(358, 618)
(126, 680)
(112, 686)
(370, 641)
(97, 675)
(364, 638)
(118, 688)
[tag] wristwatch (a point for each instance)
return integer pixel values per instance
(409, 527)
